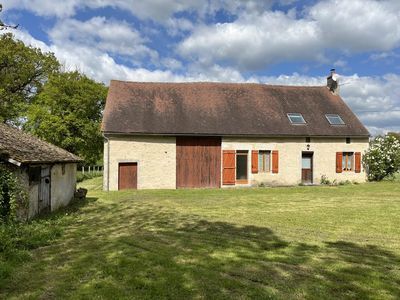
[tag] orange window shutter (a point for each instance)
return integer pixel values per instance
(228, 167)
(254, 161)
(275, 161)
(339, 161)
(357, 163)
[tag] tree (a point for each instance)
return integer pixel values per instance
(68, 112)
(23, 71)
(382, 159)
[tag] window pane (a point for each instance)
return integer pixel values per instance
(306, 162)
(263, 161)
(349, 161)
(260, 161)
(267, 161)
(296, 118)
(334, 119)
(241, 166)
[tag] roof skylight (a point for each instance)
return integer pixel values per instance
(296, 118)
(334, 119)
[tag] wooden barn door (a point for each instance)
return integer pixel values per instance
(44, 190)
(198, 162)
(127, 176)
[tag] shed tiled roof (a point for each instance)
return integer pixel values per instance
(224, 109)
(25, 148)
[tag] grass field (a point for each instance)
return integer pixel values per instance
(285, 243)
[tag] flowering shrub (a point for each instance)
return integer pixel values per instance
(382, 159)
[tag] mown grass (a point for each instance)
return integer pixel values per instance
(280, 243)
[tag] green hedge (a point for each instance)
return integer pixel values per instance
(84, 176)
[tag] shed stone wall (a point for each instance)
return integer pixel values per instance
(62, 185)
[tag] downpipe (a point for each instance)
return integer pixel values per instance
(108, 162)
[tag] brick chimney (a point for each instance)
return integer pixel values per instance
(332, 82)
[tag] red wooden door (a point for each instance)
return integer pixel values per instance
(229, 167)
(198, 162)
(127, 176)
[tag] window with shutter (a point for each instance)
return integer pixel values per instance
(339, 160)
(357, 163)
(228, 167)
(254, 161)
(275, 161)
(264, 161)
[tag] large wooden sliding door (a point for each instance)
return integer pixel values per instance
(198, 162)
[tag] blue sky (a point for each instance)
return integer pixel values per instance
(266, 41)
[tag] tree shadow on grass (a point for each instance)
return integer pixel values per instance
(139, 250)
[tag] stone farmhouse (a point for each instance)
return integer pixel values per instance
(212, 135)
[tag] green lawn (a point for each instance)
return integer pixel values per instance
(285, 243)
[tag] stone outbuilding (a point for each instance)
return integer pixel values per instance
(201, 135)
(47, 172)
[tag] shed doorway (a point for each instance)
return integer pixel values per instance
(44, 190)
(127, 176)
(307, 167)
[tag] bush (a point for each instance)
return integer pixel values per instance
(382, 159)
(12, 196)
(325, 180)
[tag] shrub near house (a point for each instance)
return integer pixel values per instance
(383, 157)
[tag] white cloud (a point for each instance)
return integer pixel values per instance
(252, 42)
(257, 40)
(44, 7)
(109, 36)
(158, 10)
(171, 63)
(178, 26)
(359, 25)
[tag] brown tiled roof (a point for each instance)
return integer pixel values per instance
(25, 148)
(224, 109)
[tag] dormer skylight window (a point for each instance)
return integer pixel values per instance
(334, 119)
(296, 118)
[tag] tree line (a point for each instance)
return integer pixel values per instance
(63, 108)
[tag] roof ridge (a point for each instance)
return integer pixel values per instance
(215, 83)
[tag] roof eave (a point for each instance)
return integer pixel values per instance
(232, 135)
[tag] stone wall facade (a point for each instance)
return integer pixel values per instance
(156, 159)
(290, 157)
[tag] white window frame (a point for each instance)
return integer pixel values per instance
(327, 116)
(289, 115)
